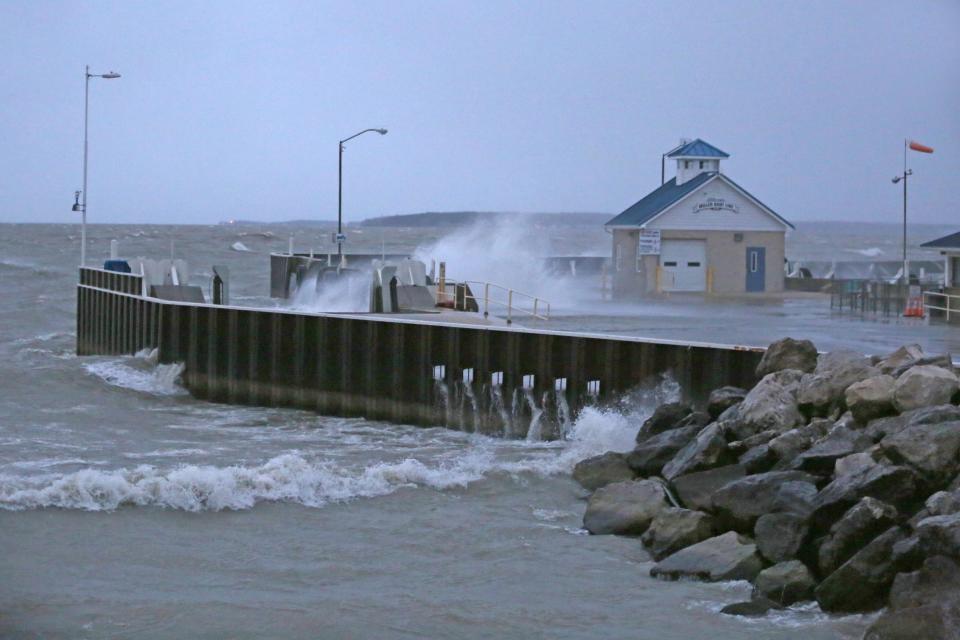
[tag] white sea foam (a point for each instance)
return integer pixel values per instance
(160, 380)
(239, 246)
(315, 482)
(872, 252)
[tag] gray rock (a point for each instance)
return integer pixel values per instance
(788, 354)
(924, 386)
(907, 355)
(785, 583)
(759, 459)
(862, 582)
(944, 361)
(822, 456)
(923, 604)
(823, 390)
(879, 429)
(871, 398)
(695, 490)
(853, 463)
(666, 416)
(723, 398)
(648, 458)
(895, 485)
(790, 444)
(858, 526)
(943, 503)
(751, 608)
(940, 535)
(779, 536)
(707, 450)
(932, 449)
(738, 504)
(725, 557)
(795, 497)
(769, 405)
(625, 508)
(907, 554)
(599, 471)
(673, 529)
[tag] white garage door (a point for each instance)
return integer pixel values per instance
(684, 264)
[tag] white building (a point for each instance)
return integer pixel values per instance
(700, 232)
(950, 250)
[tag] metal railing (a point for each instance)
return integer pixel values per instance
(540, 308)
(951, 301)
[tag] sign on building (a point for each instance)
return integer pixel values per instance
(649, 243)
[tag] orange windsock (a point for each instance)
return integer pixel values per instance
(922, 148)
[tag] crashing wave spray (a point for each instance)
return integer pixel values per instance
(444, 392)
(534, 431)
(340, 294)
(472, 398)
(563, 414)
(496, 401)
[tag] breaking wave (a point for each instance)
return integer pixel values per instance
(315, 482)
(158, 379)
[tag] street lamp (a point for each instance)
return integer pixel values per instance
(77, 205)
(340, 237)
(895, 180)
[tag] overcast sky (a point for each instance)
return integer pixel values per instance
(234, 109)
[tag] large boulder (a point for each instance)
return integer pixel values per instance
(858, 526)
(871, 398)
(725, 557)
(779, 536)
(666, 416)
(649, 456)
(943, 503)
(771, 404)
(758, 459)
(723, 398)
(940, 535)
(822, 456)
(923, 604)
(853, 463)
(625, 508)
(907, 355)
(883, 427)
(790, 444)
(738, 504)
(695, 490)
(673, 529)
(757, 606)
(599, 471)
(862, 582)
(924, 386)
(932, 449)
(824, 389)
(707, 450)
(788, 354)
(785, 583)
(894, 485)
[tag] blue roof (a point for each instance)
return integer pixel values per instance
(658, 200)
(665, 196)
(698, 149)
(951, 241)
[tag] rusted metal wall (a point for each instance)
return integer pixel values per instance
(381, 368)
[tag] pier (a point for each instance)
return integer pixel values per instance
(490, 379)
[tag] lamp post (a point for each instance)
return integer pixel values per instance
(77, 205)
(382, 132)
(906, 173)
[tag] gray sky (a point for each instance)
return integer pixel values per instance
(234, 109)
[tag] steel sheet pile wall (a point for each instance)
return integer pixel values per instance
(380, 368)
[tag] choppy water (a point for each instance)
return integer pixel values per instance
(130, 509)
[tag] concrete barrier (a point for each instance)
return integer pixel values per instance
(489, 379)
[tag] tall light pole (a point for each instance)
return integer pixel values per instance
(382, 132)
(77, 205)
(922, 148)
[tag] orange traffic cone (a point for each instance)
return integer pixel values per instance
(914, 307)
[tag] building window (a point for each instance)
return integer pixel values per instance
(619, 258)
(702, 164)
(754, 262)
(686, 164)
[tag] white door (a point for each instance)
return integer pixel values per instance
(684, 265)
